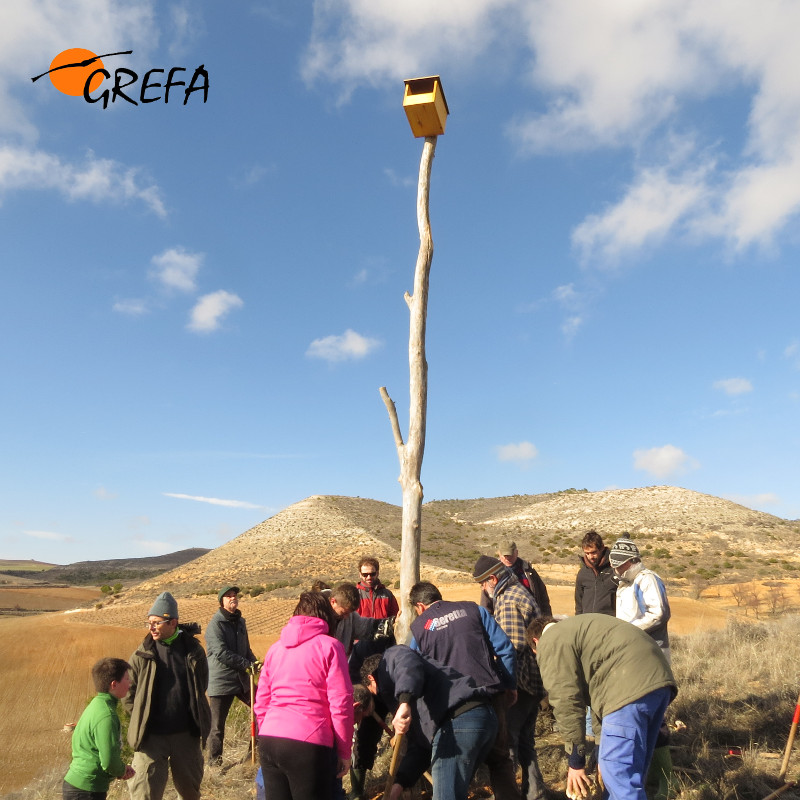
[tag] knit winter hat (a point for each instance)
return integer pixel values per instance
(165, 607)
(486, 566)
(623, 550)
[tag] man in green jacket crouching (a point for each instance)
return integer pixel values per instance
(619, 671)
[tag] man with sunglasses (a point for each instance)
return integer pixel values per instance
(170, 716)
(376, 602)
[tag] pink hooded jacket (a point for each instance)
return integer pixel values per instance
(304, 691)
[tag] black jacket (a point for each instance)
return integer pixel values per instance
(596, 589)
(229, 654)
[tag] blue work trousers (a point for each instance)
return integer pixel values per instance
(627, 740)
(459, 746)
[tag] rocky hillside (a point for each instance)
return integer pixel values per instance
(685, 535)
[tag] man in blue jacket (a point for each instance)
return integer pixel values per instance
(448, 718)
(466, 636)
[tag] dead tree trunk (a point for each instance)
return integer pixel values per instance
(410, 453)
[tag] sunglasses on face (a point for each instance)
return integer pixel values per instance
(368, 574)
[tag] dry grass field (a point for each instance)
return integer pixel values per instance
(46, 598)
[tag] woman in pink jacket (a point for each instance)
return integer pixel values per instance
(304, 706)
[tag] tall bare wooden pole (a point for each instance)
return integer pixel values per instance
(410, 453)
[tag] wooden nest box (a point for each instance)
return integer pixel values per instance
(425, 105)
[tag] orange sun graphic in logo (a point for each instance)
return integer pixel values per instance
(70, 69)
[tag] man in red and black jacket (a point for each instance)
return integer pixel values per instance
(377, 602)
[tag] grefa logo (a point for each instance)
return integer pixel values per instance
(79, 72)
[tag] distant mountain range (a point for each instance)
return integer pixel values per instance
(96, 573)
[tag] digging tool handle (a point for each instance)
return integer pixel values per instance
(792, 732)
(398, 740)
(252, 721)
(780, 791)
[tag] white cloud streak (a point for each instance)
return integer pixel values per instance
(132, 307)
(734, 386)
(663, 461)
(210, 309)
(350, 346)
(521, 452)
(214, 501)
(98, 180)
(49, 536)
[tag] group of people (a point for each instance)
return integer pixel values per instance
(465, 690)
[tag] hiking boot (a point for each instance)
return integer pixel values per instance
(660, 777)
(357, 778)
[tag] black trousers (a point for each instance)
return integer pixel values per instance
(69, 792)
(220, 706)
(295, 770)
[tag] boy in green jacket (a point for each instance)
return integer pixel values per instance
(96, 743)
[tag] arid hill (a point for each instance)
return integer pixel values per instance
(685, 535)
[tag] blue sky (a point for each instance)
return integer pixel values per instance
(201, 301)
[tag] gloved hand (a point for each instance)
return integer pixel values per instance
(385, 629)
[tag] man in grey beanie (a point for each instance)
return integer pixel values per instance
(170, 716)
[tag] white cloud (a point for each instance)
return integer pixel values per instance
(396, 180)
(133, 307)
(566, 295)
(734, 386)
(207, 314)
(663, 461)
(347, 347)
(521, 452)
(101, 493)
(651, 208)
(756, 501)
(177, 268)
(570, 326)
(611, 75)
(99, 180)
(792, 353)
(359, 42)
(214, 501)
(49, 536)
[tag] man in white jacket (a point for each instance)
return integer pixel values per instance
(641, 596)
(642, 601)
